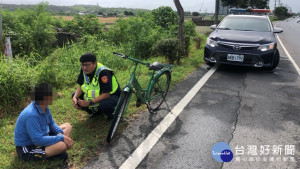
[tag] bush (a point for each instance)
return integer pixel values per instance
(136, 35)
(186, 46)
(30, 30)
(118, 33)
(16, 79)
(198, 41)
(62, 67)
(168, 48)
(164, 16)
(189, 29)
(85, 25)
(33, 32)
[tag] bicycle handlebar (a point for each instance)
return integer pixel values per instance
(138, 61)
(132, 59)
(121, 55)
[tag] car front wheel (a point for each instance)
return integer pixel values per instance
(276, 59)
(209, 63)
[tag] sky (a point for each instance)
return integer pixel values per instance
(188, 5)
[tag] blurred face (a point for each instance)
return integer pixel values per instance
(88, 67)
(48, 100)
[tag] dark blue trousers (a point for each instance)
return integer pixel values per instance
(106, 106)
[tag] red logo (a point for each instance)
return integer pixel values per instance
(104, 79)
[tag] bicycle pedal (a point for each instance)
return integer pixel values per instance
(153, 112)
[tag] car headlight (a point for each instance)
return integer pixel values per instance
(266, 47)
(211, 43)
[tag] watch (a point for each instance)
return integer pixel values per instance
(91, 102)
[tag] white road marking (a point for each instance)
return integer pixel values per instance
(139, 154)
(289, 56)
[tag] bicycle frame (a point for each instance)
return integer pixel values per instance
(134, 84)
(142, 93)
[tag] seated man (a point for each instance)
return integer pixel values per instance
(98, 91)
(37, 136)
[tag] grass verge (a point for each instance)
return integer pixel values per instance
(89, 134)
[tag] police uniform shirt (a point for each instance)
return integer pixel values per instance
(105, 81)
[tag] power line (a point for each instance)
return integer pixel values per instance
(277, 4)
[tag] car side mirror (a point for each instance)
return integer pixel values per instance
(277, 30)
(213, 27)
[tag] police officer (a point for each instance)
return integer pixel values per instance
(98, 91)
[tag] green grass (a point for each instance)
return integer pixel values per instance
(89, 135)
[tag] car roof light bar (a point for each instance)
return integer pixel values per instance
(261, 10)
(237, 10)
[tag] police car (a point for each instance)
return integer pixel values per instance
(244, 40)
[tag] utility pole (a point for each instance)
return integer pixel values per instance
(217, 11)
(1, 34)
(277, 4)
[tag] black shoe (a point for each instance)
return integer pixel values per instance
(93, 115)
(108, 119)
(63, 156)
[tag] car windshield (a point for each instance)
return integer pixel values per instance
(245, 24)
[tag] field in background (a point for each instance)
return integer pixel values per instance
(106, 20)
(203, 30)
(101, 19)
(189, 18)
(109, 20)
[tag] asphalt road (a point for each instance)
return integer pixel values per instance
(240, 106)
(291, 37)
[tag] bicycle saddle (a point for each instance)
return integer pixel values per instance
(155, 66)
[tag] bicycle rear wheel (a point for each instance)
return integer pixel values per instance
(159, 90)
(119, 111)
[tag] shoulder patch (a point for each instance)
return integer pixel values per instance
(104, 79)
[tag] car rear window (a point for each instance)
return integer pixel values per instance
(245, 24)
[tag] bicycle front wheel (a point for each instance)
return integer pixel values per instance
(159, 90)
(119, 111)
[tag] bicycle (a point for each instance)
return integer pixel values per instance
(153, 96)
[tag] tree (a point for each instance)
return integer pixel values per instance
(126, 13)
(260, 4)
(130, 13)
(235, 3)
(281, 12)
(196, 14)
(217, 11)
(164, 16)
(180, 27)
(84, 24)
(32, 31)
(188, 13)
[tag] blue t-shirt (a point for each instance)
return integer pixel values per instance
(33, 127)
